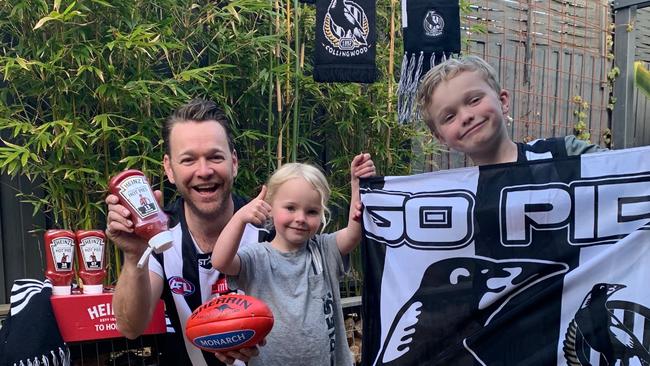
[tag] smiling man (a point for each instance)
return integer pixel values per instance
(201, 161)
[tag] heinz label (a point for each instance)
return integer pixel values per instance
(92, 252)
(62, 253)
(135, 190)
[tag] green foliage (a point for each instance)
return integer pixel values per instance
(86, 85)
(580, 113)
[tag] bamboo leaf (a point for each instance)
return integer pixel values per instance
(103, 3)
(22, 62)
(44, 20)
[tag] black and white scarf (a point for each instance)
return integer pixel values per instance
(30, 335)
(431, 34)
(345, 41)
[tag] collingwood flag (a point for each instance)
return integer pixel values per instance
(544, 263)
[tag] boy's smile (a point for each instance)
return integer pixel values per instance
(469, 115)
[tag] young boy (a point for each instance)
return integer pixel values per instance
(464, 106)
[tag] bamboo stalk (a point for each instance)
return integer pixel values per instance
(391, 66)
(269, 122)
(296, 91)
(279, 150)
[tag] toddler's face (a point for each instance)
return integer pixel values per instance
(296, 211)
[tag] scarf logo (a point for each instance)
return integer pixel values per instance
(433, 24)
(346, 27)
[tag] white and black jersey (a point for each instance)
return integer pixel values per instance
(189, 281)
(553, 148)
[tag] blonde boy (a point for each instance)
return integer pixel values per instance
(465, 108)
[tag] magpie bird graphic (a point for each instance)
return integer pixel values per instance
(347, 20)
(456, 299)
(433, 21)
(603, 331)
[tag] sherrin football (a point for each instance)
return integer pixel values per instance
(228, 323)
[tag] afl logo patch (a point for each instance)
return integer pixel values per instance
(181, 286)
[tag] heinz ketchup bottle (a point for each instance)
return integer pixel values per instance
(90, 260)
(59, 249)
(150, 223)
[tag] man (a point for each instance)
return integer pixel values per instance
(200, 159)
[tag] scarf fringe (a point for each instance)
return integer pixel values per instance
(411, 72)
(60, 358)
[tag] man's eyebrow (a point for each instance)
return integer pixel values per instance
(190, 151)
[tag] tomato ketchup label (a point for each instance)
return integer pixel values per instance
(136, 192)
(62, 252)
(92, 252)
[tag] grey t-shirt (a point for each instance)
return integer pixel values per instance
(302, 290)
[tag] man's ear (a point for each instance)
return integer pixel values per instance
(504, 97)
(235, 163)
(167, 163)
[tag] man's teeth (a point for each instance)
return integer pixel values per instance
(210, 187)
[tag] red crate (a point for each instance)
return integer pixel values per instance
(90, 317)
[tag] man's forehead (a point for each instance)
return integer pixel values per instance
(205, 125)
(185, 135)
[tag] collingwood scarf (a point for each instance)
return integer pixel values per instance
(431, 34)
(30, 335)
(345, 41)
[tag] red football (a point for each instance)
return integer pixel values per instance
(229, 322)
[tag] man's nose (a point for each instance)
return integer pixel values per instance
(204, 168)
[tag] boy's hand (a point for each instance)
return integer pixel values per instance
(257, 211)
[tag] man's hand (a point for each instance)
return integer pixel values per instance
(244, 354)
(119, 228)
